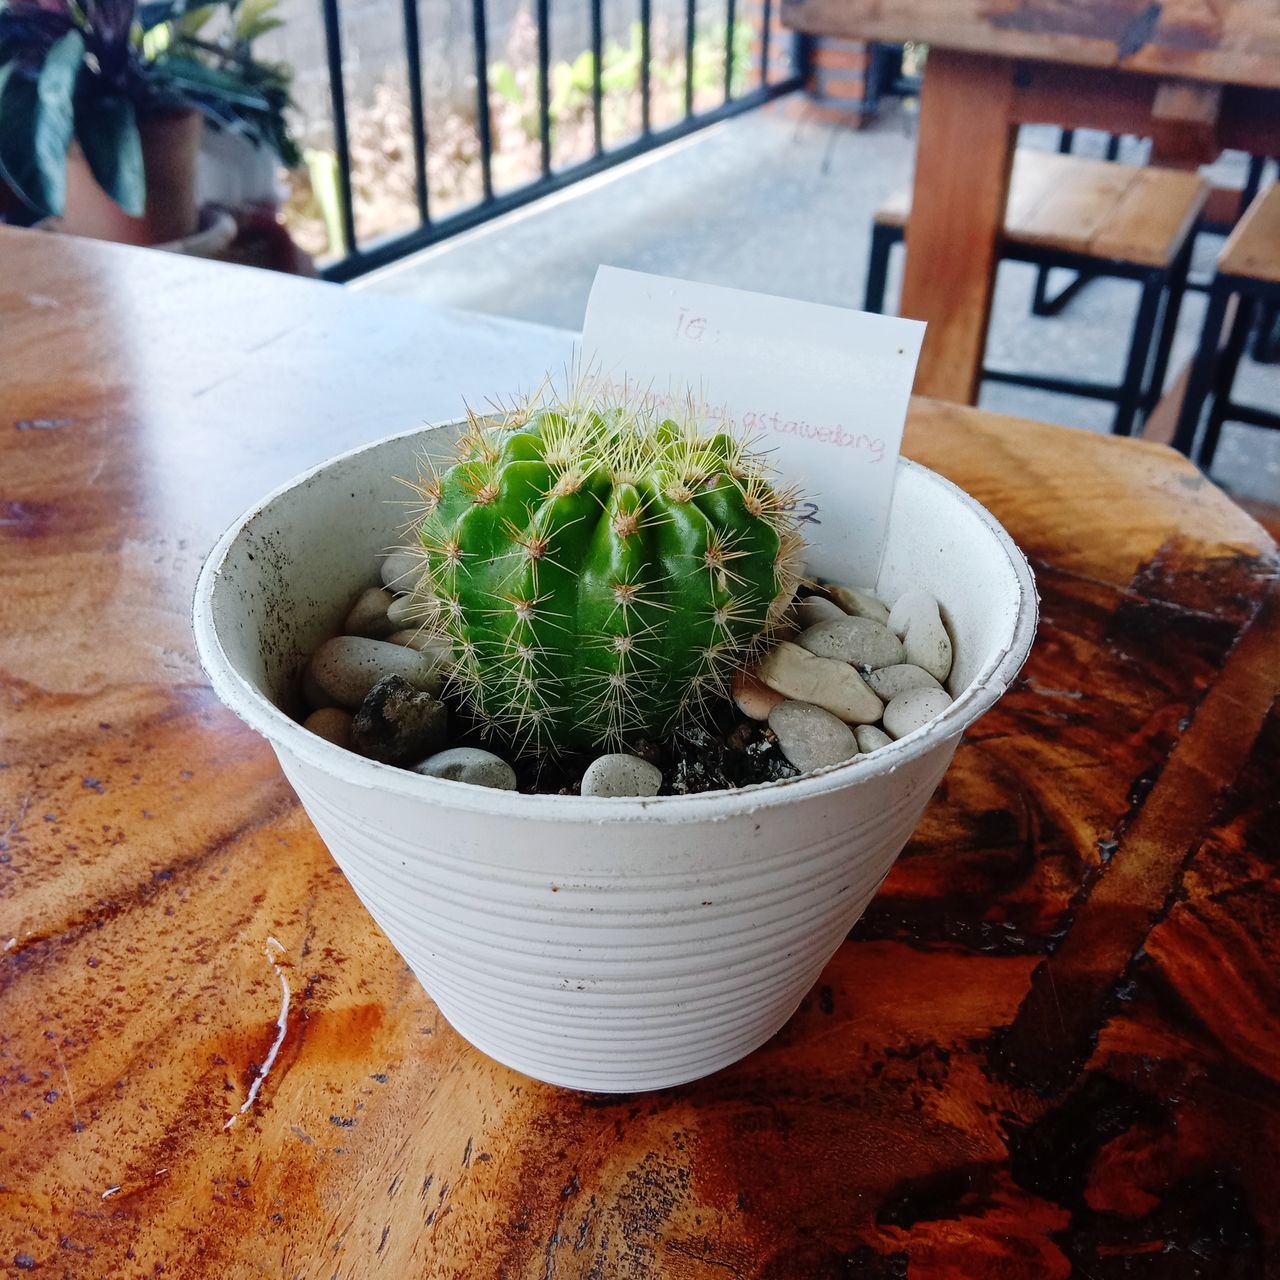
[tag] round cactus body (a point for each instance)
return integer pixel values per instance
(600, 571)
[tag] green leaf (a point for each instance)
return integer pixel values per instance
(250, 33)
(210, 84)
(502, 80)
(255, 18)
(107, 131)
(38, 120)
(19, 108)
(55, 122)
(194, 20)
(583, 70)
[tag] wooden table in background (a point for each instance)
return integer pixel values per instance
(1051, 1047)
(1193, 76)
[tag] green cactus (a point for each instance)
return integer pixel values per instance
(599, 570)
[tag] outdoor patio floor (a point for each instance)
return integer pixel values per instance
(779, 203)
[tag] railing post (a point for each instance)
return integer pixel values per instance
(480, 38)
(413, 59)
(338, 99)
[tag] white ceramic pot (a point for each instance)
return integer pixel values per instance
(602, 944)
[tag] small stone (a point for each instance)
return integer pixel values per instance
(410, 612)
(332, 724)
(424, 641)
(862, 641)
(368, 616)
(343, 670)
(754, 699)
(857, 603)
(917, 620)
(910, 710)
(870, 738)
(401, 570)
(888, 682)
(469, 764)
(815, 609)
(904, 606)
(621, 775)
(810, 737)
(834, 686)
(397, 723)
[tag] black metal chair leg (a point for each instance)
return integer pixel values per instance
(883, 239)
(1129, 400)
(1202, 369)
(1044, 305)
(1040, 297)
(1174, 294)
(1224, 379)
(1266, 342)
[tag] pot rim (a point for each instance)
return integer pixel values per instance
(287, 734)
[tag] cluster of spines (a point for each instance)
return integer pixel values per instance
(520, 664)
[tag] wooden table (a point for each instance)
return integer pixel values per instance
(1052, 1043)
(1195, 77)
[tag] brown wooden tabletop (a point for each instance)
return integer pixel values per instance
(1194, 77)
(1051, 1048)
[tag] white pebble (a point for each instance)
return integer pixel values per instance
(862, 641)
(401, 570)
(904, 606)
(754, 699)
(469, 764)
(810, 737)
(888, 682)
(910, 710)
(916, 619)
(833, 686)
(368, 616)
(423, 640)
(331, 723)
(343, 670)
(858, 603)
(814, 609)
(410, 611)
(621, 775)
(870, 738)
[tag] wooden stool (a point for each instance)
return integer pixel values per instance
(1099, 219)
(1248, 272)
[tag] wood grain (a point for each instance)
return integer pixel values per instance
(963, 159)
(1076, 204)
(1232, 42)
(1253, 248)
(934, 1110)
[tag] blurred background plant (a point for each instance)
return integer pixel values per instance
(381, 134)
(89, 76)
(206, 53)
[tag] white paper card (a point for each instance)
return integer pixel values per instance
(821, 389)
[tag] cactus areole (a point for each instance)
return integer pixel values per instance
(601, 570)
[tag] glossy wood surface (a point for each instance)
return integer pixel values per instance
(1228, 41)
(1050, 1049)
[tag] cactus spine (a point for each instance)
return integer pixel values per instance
(601, 570)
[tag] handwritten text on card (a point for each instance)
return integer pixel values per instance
(823, 389)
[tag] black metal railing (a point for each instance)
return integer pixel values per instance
(361, 256)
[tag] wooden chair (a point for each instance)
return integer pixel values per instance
(1100, 219)
(1248, 274)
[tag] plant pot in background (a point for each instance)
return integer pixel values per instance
(170, 144)
(603, 944)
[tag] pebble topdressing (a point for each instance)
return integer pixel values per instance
(848, 679)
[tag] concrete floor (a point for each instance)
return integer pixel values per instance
(774, 202)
